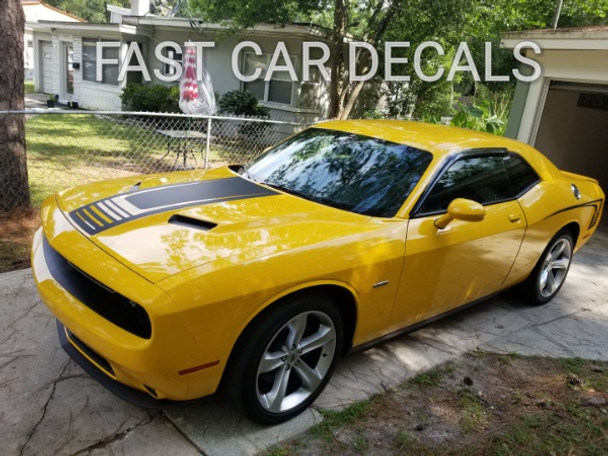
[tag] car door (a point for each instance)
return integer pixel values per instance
(466, 260)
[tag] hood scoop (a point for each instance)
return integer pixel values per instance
(191, 222)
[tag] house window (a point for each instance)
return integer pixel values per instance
(89, 62)
(278, 90)
(135, 76)
(310, 90)
(169, 70)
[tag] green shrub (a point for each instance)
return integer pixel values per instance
(151, 98)
(242, 103)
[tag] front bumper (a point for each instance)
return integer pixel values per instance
(121, 390)
(160, 366)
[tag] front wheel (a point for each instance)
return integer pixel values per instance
(284, 360)
(551, 270)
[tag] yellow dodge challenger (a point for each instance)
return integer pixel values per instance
(258, 278)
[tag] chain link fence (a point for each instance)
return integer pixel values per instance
(67, 148)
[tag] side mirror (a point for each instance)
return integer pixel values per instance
(461, 209)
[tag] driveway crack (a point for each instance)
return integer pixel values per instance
(183, 434)
(44, 408)
(114, 437)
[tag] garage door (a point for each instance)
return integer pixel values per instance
(573, 129)
(46, 67)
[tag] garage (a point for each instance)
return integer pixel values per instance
(573, 129)
(564, 113)
(46, 66)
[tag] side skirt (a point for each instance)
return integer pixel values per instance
(420, 324)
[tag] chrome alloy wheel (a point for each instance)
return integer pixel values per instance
(555, 267)
(296, 361)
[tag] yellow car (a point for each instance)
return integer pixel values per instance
(259, 278)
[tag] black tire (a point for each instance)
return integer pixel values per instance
(295, 374)
(551, 271)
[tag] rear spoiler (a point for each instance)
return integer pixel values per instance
(570, 175)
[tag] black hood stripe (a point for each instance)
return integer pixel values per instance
(116, 210)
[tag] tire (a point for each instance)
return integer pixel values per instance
(285, 358)
(550, 272)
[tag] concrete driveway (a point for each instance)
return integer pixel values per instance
(50, 406)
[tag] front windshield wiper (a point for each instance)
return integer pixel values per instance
(242, 169)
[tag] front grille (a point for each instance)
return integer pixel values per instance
(102, 300)
(97, 358)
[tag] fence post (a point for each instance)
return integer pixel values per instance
(207, 146)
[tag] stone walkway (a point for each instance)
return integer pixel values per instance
(50, 407)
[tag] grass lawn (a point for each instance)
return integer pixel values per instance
(68, 150)
(29, 87)
(64, 151)
(481, 404)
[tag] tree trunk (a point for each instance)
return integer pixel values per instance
(337, 61)
(346, 94)
(14, 188)
(350, 104)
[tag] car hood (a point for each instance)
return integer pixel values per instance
(165, 224)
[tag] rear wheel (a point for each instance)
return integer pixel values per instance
(285, 359)
(551, 270)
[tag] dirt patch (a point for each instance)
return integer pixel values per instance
(16, 231)
(482, 404)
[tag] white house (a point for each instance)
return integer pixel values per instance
(565, 112)
(73, 47)
(36, 10)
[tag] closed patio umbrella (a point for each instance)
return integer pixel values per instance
(195, 97)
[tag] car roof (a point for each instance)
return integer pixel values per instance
(437, 139)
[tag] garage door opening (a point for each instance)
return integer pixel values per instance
(573, 131)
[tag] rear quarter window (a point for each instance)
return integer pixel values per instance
(521, 175)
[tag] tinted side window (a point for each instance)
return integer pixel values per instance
(482, 179)
(521, 174)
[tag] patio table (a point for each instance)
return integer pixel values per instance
(184, 143)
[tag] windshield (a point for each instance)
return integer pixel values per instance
(343, 170)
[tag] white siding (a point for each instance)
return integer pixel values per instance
(77, 46)
(102, 97)
(218, 61)
(56, 62)
(92, 95)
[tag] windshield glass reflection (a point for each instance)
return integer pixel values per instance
(343, 170)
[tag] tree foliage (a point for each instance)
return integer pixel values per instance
(416, 21)
(474, 22)
(245, 13)
(368, 20)
(89, 10)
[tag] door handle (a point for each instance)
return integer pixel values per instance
(514, 217)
